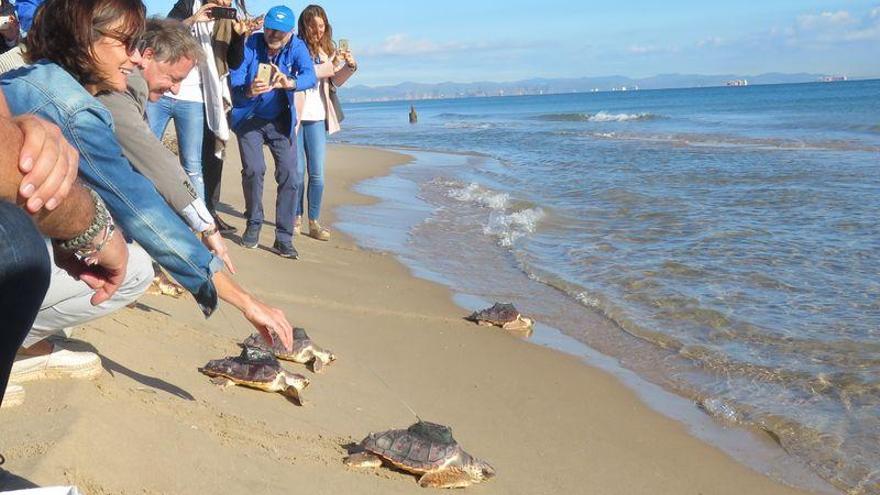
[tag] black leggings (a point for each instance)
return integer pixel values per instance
(24, 279)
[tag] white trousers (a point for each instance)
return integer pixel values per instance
(67, 303)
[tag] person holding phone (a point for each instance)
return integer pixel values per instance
(264, 113)
(199, 108)
(318, 116)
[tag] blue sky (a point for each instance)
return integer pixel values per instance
(477, 40)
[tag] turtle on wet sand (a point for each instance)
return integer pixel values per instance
(304, 350)
(256, 368)
(424, 448)
(505, 316)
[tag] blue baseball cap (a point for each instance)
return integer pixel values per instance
(280, 18)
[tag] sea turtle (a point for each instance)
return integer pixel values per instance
(164, 286)
(424, 448)
(505, 316)
(256, 368)
(304, 350)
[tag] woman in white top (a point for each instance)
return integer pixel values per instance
(317, 114)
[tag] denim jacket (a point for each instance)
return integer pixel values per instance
(293, 60)
(47, 90)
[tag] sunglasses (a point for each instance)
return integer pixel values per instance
(132, 43)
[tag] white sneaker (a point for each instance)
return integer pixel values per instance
(61, 363)
(14, 396)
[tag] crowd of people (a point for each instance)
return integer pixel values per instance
(90, 198)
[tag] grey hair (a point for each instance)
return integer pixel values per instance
(172, 40)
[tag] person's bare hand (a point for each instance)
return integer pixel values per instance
(106, 276)
(216, 245)
(348, 57)
(201, 15)
(49, 164)
(270, 322)
(279, 80)
(257, 88)
(247, 26)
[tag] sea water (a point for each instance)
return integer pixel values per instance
(721, 242)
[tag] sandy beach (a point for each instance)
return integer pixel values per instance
(153, 424)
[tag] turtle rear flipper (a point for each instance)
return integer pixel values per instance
(446, 478)
(363, 460)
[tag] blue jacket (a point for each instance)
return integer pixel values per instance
(293, 60)
(47, 90)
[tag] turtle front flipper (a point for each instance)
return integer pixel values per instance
(363, 460)
(519, 324)
(294, 385)
(446, 478)
(317, 365)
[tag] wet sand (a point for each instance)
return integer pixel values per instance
(152, 424)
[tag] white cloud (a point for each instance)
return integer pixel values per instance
(825, 20)
(835, 27)
(643, 49)
(710, 42)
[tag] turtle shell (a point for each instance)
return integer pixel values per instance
(301, 341)
(498, 314)
(254, 365)
(422, 447)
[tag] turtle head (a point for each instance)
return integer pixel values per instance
(480, 470)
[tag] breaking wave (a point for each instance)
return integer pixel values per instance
(597, 117)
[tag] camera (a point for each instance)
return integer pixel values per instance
(223, 13)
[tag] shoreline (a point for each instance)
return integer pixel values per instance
(153, 424)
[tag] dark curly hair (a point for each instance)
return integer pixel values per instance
(63, 32)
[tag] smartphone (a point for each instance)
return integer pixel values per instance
(342, 46)
(264, 73)
(223, 13)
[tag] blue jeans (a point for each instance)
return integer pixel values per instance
(24, 279)
(312, 142)
(252, 134)
(189, 121)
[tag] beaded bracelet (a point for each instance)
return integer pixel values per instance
(99, 223)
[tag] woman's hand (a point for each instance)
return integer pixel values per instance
(246, 27)
(349, 60)
(270, 322)
(214, 242)
(201, 15)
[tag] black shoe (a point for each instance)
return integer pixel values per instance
(223, 227)
(285, 250)
(251, 236)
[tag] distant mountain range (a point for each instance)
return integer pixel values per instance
(420, 91)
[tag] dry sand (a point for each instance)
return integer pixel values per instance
(152, 424)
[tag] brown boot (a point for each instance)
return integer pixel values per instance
(318, 232)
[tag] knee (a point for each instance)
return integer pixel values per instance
(25, 267)
(138, 275)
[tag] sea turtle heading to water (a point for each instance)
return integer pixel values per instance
(505, 316)
(256, 368)
(424, 448)
(304, 350)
